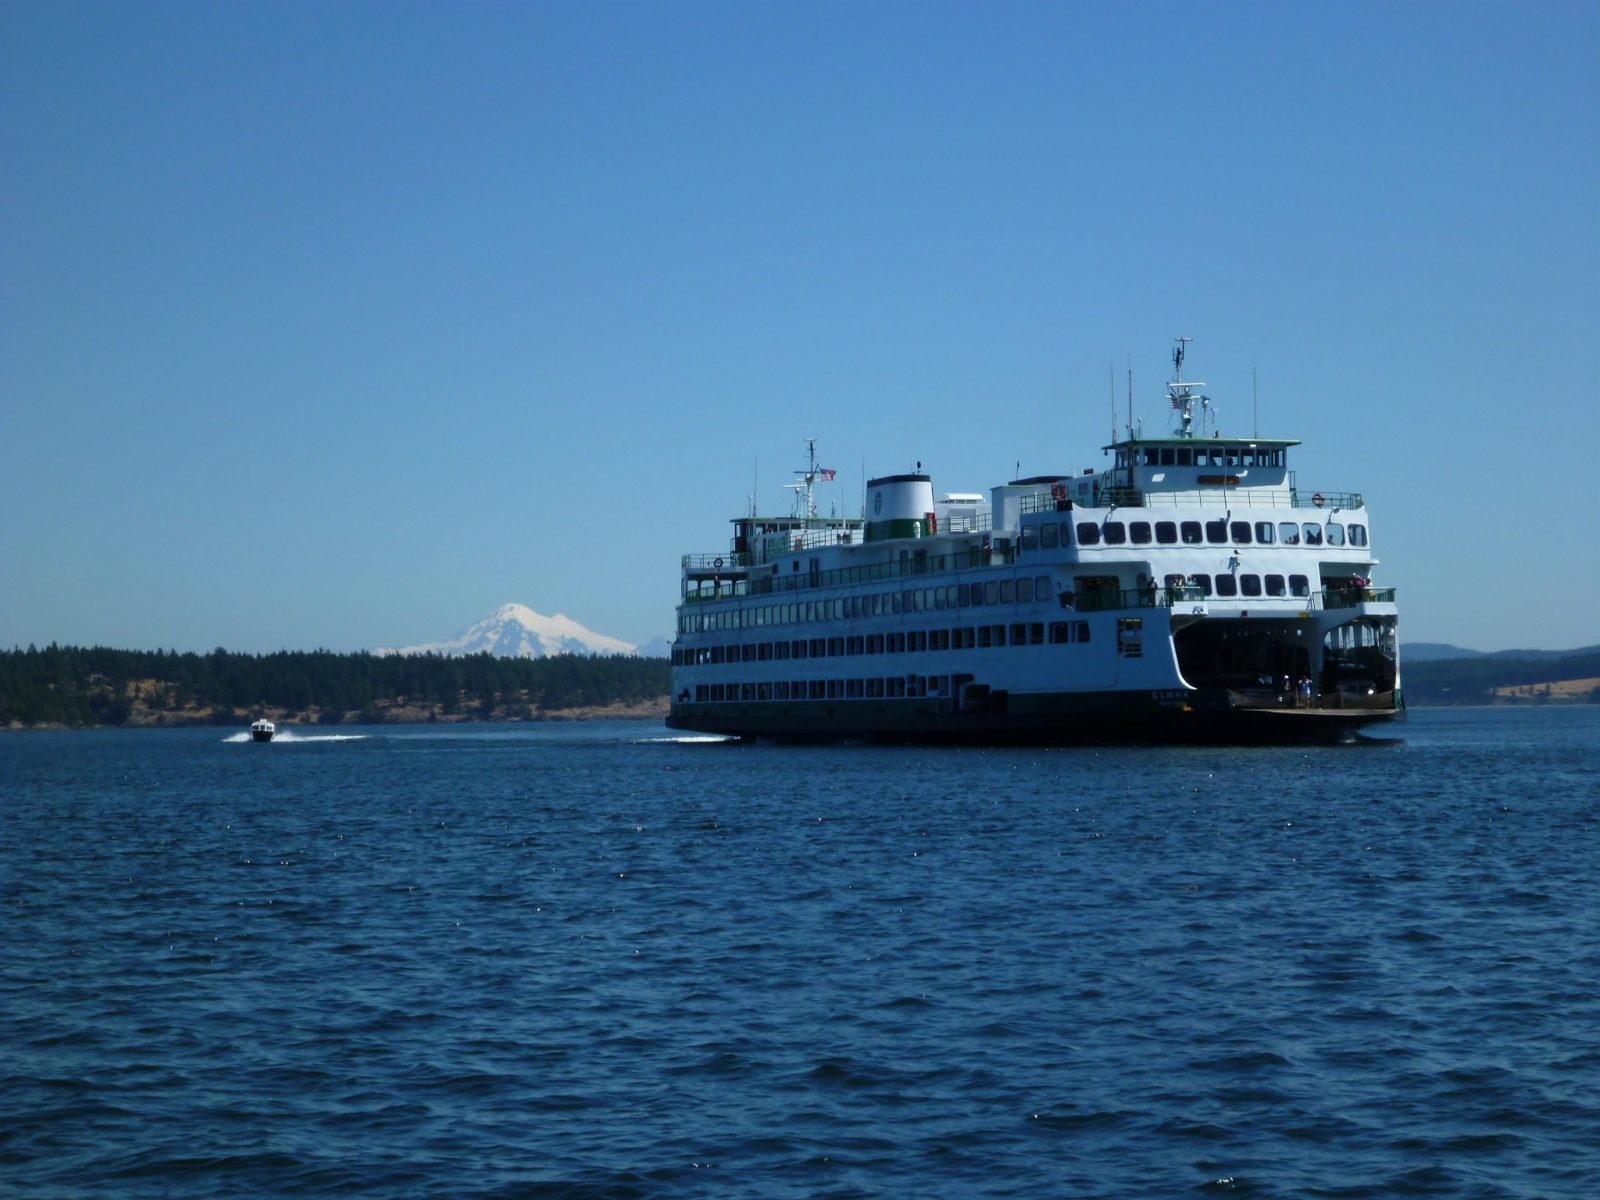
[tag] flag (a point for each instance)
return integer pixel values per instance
(827, 474)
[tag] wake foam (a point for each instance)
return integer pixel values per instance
(289, 735)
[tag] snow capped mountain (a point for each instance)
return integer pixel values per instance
(516, 631)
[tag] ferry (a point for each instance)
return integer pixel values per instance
(263, 731)
(1190, 591)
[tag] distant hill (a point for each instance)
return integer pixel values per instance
(1411, 652)
(1505, 677)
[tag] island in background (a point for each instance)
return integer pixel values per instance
(76, 686)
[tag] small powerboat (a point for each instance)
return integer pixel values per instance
(262, 731)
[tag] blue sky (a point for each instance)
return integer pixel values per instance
(342, 324)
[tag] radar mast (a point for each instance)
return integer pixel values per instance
(1185, 395)
(806, 480)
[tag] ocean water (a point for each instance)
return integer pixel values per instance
(600, 961)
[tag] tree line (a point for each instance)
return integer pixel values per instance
(1473, 680)
(74, 685)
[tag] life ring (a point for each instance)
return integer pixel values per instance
(1319, 499)
(717, 564)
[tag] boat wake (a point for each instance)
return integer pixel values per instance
(692, 739)
(288, 735)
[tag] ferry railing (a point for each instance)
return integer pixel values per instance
(1235, 498)
(1351, 597)
(1036, 504)
(702, 590)
(716, 562)
(1326, 500)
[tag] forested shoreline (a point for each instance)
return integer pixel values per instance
(89, 686)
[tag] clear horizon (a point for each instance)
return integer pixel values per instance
(339, 324)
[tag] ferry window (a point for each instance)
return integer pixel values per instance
(894, 601)
(938, 600)
(1266, 532)
(1024, 590)
(1299, 585)
(1227, 585)
(991, 592)
(819, 647)
(1066, 533)
(1041, 587)
(1241, 532)
(983, 637)
(1019, 635)
(998, 632)
(1005, 591)
(952, 595)
(1191, 533)
(1088, 533)
(1082, 628)
(1275, 585)
(1250, 585)
(1116, 533)
(1358, 535)
(1058, 633)
(1289, 532)
(1167, 458)
(1152, 457)
(1203, 582)
(1167, 532)
(1030, 538)
(1234, 455)
(835, 647)
(1313, 534)
(1140, 532)
(797, 649)
(973, 594)
(1036, 633)
(1335, 534)
(1185, 458)
(1216, 532)
(1049, 535)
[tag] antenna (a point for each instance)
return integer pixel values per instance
(1182, 393)
(1130, 395)
(1255, 415)
(805, 504)
(1111, 390)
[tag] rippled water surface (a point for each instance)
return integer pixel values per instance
(594, 961)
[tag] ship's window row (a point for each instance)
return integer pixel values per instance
(1242, 585)
(1197, 533)
(1203, 456)
(914, 641)
(1023, 589)
(892, 687)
